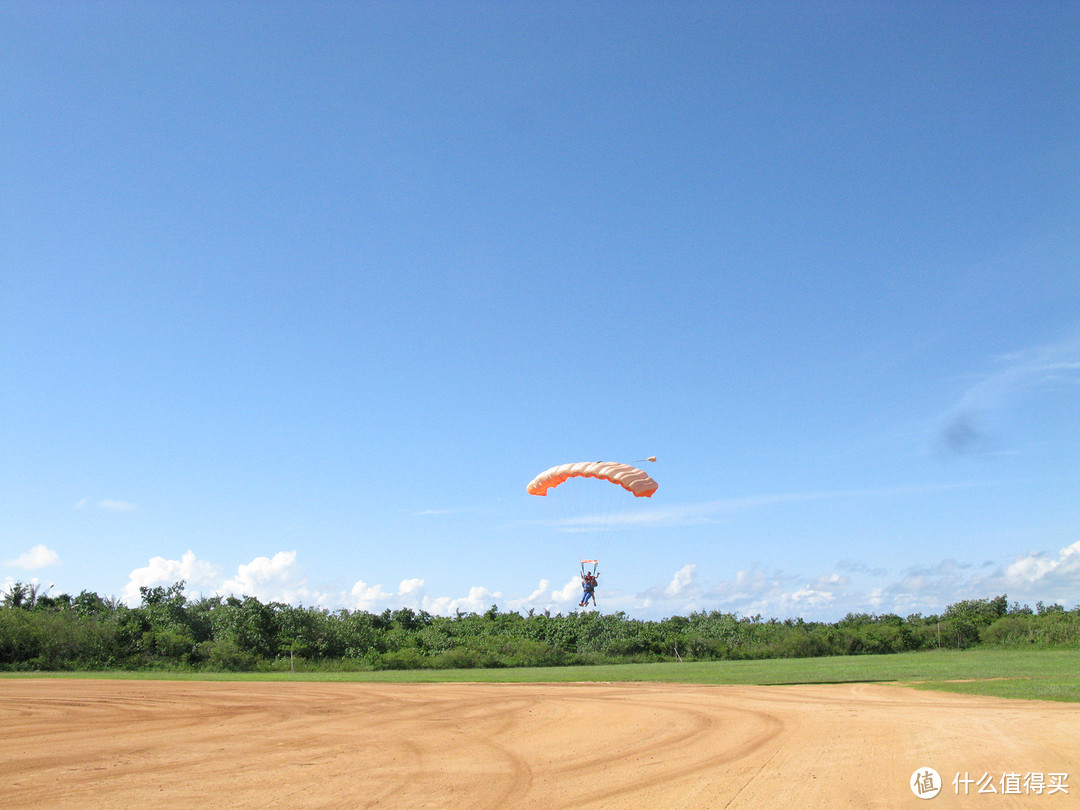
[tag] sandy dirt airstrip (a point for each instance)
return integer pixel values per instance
(169, 744)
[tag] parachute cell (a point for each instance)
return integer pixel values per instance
(629, 478)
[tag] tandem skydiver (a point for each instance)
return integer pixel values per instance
(588, 585)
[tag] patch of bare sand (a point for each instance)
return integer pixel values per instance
(161, 744)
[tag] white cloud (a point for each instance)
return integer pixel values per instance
(478, 600)
(754, 591)
(750, 591)
(40, 556)
(682, 583)
(822, 592)
(270, 579)
(539, 592)
(280, 578)
(543, 599)
(411, 594)
(825, 595)
(570, 592)
(537, 600)
(411, 587)
(160, 571)
(1056, 575)
(927, 589)
(367, 597)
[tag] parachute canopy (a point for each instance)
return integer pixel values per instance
(629, 478)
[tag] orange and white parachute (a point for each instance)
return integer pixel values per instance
(629, 478)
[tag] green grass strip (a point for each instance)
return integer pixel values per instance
(1026, 674)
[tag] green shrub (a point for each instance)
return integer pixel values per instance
(407, 658)
(226, 655)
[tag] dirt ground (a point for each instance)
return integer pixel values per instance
(168, 744)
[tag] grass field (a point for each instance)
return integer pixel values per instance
(1027, 674)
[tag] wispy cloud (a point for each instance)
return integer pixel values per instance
(40, 556)
(108, 504)
(860, 567)
(713, 511)
(456, 510)
(966, 429)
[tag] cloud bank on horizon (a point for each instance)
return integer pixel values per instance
(773, 593)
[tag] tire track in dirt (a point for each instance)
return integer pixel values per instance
(656, 739)
(158, 744)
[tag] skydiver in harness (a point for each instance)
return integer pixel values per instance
(588, 585)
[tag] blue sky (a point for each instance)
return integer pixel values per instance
(295, 299)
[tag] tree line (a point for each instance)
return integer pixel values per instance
(168, 630)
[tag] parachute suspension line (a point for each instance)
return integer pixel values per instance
(590, 512)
